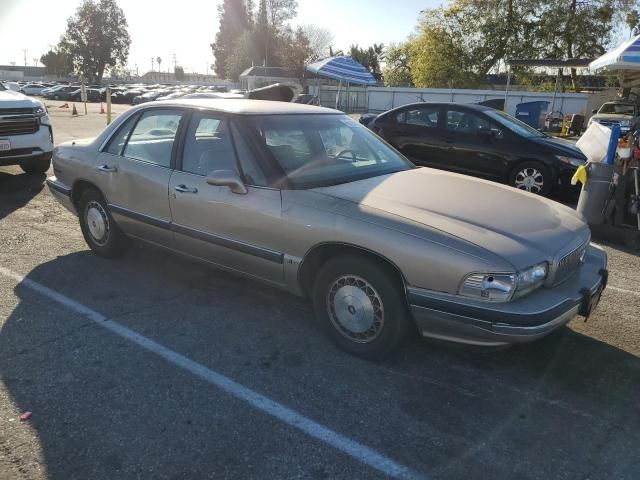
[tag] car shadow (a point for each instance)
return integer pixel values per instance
(16, 190)
(566, 398)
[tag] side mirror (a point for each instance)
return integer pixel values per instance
(594, 111)
(227, 178)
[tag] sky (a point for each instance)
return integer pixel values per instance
(187, 28)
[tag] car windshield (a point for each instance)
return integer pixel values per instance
(323, 150)
(513, 124)
(618, 108)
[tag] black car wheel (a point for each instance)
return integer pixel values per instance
(100, 232)
(533, 177)
(360, 306)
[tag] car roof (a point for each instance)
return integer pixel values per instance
(472, 106)
(246, 106)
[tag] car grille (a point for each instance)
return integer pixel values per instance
(609, 123)
(570, 263)
(15, 111)
(18, 126)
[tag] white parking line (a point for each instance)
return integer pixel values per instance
(292, 418)
(623, 290)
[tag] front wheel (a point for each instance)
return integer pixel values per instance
(533, 177)
(100, 232)
(361, 306)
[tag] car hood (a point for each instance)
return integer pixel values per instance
(560, 146)
(611, 116)
(520, 227)
(11, 99)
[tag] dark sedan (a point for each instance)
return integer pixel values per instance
(478, 140)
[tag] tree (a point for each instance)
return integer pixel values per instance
(574, 29)
(280, 11)
(234, 22)
(242, 56)
(178, 72)
(57, 62)
(396, 72)
(96, 38)
(320, 40)
(369, 57)
(297, 51)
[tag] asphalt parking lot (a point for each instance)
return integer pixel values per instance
(156, 367)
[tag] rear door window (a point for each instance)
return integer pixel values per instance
(422, 116)
(153, 137)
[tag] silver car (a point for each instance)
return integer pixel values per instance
(306, 199)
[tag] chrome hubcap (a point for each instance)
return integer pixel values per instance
(529, 179)
(355, 309)
(97, 223)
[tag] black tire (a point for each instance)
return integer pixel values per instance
(36, 166)
(522, 172)
(390, 322)
(113, 242)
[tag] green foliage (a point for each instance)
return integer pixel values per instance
(459, 44)
(96, 38)
(234, 21)
(396, 71)
(266, 40)
(57, 62)
(369, 57)
(178, 71)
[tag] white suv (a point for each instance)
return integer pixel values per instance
(26, 135)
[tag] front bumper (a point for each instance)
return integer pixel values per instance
(527, 319)
(62, 193)
(28, 146)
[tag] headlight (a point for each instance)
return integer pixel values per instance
(491, 287)
(39, 111)
(625, 123)
(531, 278)
(576, 162)
(502, 287)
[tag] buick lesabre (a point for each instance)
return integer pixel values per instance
(307, 200)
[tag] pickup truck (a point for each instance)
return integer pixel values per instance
(26, 134)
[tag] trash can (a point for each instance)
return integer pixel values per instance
(595, 194)
(531, 113)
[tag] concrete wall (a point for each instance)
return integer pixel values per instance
(380, 99)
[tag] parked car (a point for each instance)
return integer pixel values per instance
(32, 89)
(93, 95)
(480, 141)
(61, 92)
(26, 135)
(621, 114)
(149, 96)
(305, 199)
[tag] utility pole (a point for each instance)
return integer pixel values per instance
(175, 62)
(24, 50)
(152, 60)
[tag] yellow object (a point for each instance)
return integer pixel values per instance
(579, 176)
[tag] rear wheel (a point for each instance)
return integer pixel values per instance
(100, 232)
(361, 306)
(36, 166)
(533, 177)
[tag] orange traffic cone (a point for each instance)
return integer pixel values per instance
(101, 108)
(74, 111)
(66, 105)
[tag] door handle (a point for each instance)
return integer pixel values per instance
(107, 169)
(185, 189)
(448, 140)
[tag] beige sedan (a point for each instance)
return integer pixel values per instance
(306, 199)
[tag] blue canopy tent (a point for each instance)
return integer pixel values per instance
(625, 57)
(344, 69)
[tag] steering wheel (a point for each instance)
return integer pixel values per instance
(353, 155)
